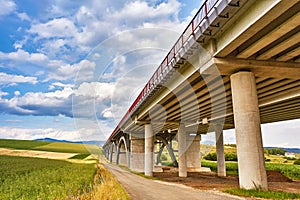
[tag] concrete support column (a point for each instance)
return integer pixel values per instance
(114, 154)
(182, 164)
(220, 151)
(252, 171)
(137, 157)
(193, 153)
(149, 147)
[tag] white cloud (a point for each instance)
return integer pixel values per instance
(31, 134)
(7, 7)
(61, 27)
(99, 90)
(23, 16)
(17, 93)
(23, 56)
(3, 93)
(62, 71)
(9, 79)
(60, 85)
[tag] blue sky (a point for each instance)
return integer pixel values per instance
(70, 69)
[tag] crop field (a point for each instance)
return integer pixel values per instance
(36, 178)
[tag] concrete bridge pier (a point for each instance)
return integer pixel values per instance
(137, 147)
(251, 164)
(149, 147)
(193, 153)
(220, 151)
(182, 164)
(113, 154)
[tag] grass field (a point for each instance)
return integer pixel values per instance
(21, 144)
(50, 146)
(291, 171)
(36, 178)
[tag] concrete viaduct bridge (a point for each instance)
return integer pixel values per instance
(236, 65)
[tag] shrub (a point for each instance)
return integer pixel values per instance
(211, 156)
(297, 162)
(289, 158)
(267, 159)
(275, 151)
(228, 157)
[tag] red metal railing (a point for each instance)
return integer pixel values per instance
(200, 16)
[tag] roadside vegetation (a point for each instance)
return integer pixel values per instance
(263, 194)
(107, 187)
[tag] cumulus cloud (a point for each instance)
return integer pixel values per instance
(61, 27)
(9, 79)
(32, 134)
(7, 7)
(23, 56)
(23, 16)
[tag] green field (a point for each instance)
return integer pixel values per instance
(21, 144)
(291, 171)
(50, 146)
(36, 178)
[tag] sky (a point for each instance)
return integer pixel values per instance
(71, 69)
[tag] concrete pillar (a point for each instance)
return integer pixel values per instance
(182, 164)
(123, 155)
(137, 157)
(193, 153)
(114, 154)
(149, 147)
(220, 151)
(252, 171)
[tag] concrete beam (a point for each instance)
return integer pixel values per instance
(290, 55)
(249, 23)
(182, 164)
(251, 164)
(193, 154)
(149, 147)
(137, 154)
(274, 35)
(279, 47)
(220, 150)
(275, 69)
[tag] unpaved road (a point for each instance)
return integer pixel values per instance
(140, 188)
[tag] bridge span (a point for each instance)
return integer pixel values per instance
(236, 65)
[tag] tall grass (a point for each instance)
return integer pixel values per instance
(36, 178)
(107, 188)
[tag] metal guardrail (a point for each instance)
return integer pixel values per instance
(199, 17)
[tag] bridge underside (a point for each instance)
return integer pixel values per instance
(239, 71)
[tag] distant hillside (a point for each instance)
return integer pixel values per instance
(294, 150)
(98, 143)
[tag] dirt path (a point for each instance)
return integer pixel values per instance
(140, 188)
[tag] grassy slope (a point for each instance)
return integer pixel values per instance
(49, 146)
(21, 144)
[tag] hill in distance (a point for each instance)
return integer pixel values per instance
(94, 142)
